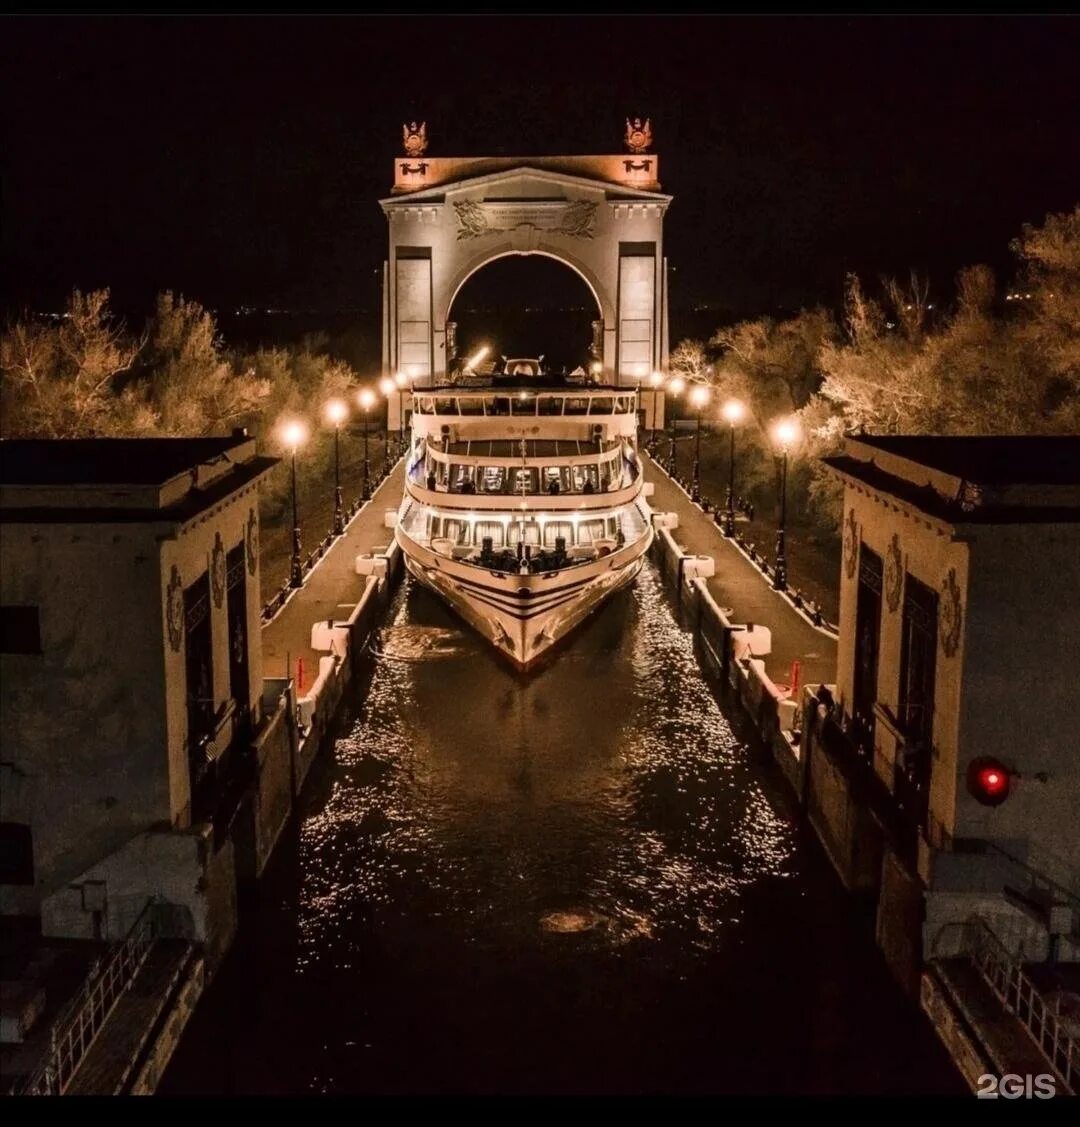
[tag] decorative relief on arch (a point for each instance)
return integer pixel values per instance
(217, 570)
(575, 219)
(251, 542)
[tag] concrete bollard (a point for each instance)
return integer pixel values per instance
(369, 564)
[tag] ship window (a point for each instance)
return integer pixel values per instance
(555, 528)
(524, 479)
(590, 531)
(532, 532)
(603, 406)
(576, 405)
(445, 407)
(549, 405)
(470, 406)
(492, 528)
(492, 479)
(455, 531)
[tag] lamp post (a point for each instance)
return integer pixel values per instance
(366, 399)
(699, 397)
(675, 386)
(656, 381)
(785, 433)
(294, 434)
(733, 411)
(336, 410)
(401, 379)
(387, 387)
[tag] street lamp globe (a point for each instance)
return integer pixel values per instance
(336, 411)
(401, 380)
(656, 379)
(366, 399)
(676, 385)
(699, 395)
(733, 411)
(786, 432)
(293, 434)
(387, 386)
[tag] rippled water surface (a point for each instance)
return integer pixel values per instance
(578, 881)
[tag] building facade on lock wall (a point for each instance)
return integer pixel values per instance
(960, 639)
(131, 665)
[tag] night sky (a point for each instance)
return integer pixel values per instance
(239, 159)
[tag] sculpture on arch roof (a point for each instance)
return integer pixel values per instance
(638, 137)
(414, 139)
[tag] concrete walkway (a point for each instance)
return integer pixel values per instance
(332, 588)
(738, 585)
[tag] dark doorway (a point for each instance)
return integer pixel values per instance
(918, 667)
(867, 642)
(526, 305)
(199, 666)
(236, 595)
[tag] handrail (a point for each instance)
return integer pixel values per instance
(74, 1030)
(1004, 974)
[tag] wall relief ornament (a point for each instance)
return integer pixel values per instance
(638, 137)
(951, 615)
(894, 574)
(251, 542)
(217, 570)
(414, 139)
(576, 219)
(174, 608)
(851, 544)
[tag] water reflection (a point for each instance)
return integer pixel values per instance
(580, 880)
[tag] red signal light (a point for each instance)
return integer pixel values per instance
(989, 780)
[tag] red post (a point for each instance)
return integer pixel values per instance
(299, 675)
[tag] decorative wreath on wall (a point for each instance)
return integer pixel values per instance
(217, 570)
(894, 574)
(952, 614)
(851, 544)
(174, 608)
(251, 542)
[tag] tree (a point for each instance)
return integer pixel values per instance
(66, 380)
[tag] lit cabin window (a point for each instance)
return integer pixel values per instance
(20, 630)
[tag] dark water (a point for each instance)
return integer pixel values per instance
(583, 881)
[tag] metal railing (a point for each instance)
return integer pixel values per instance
(74, 1031)
(1005, 976)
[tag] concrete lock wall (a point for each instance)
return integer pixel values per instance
(1022, 631)
(84, 734)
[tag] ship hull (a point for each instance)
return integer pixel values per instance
(524, 616)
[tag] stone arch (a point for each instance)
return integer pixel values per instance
(605, 305)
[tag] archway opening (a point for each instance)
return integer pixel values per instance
(526, 305)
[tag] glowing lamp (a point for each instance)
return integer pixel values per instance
(785, 432)
(387, 386)
(293, 434)
(676, 385)
(596, 367)
(401, 379)
(989, 780)
(336, 410)
(656, 379)
(699, 395)
(478, 357)
(733, 411)
(366, 399)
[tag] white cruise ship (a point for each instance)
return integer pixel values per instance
(524, 504)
